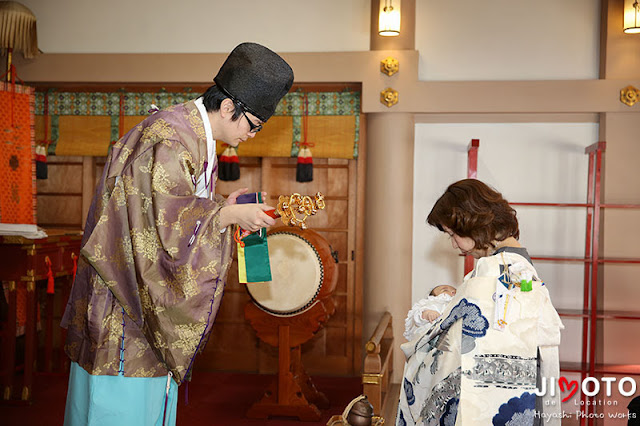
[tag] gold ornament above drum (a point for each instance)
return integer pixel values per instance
(296, 203)
(253, 252)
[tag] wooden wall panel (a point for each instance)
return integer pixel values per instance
(267, 358)
(232, 307)
(59, 197)
(343, 270)
(317, 346)
(59, 211)
(338, 242)
(233, 345)
(337, 214)
(250, 178)
(339, 319)
(331, 351)
(62, 178)
(338, 184)
(99, 168)
(338, 338)
(326, 365)
(282, 175)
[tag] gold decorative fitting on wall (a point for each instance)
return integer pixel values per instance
(629, 95)
(389, 66)
(389, 97)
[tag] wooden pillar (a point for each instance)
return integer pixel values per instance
(389, 212)
(389, 202)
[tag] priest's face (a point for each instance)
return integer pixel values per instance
(235, 132)
(247, 126)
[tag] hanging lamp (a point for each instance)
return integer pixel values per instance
(631, 17)
(389, 18)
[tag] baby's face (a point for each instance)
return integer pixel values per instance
(446, 289)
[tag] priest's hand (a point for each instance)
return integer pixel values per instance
(250, 217)
(233, 197)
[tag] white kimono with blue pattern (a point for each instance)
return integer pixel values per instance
(465, 370)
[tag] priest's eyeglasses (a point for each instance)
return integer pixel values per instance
(253, 128)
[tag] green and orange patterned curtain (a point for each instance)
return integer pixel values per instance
(17, 167)
(86, 123)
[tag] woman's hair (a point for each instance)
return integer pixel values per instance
(212, 99)
(472, 209)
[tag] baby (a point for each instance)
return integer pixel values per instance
(426, 311)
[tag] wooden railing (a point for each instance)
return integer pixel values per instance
(378, 364)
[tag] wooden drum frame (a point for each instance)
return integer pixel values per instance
(290, 324)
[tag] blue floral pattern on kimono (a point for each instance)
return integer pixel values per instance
(517, 411)
(408, 391)
(474, 324)
(401, 420)
(450, 413)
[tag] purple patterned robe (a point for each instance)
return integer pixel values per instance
(146, 292)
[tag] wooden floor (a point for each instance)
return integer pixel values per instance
(215, 399)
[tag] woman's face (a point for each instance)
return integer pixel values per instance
(465, 244)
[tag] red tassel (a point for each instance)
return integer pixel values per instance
(229, 164)
(304, 168)
(50, 281)
(41, 162)
(75, 265)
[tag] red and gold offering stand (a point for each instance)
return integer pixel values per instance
(17, 167)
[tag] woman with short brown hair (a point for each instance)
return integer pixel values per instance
(481, 362)
(472, 209)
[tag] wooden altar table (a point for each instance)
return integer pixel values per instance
(26, 263)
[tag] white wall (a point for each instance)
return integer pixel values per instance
(200, 26)
(461, 40)
(508, 39)
(527, 162)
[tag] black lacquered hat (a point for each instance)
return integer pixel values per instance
(256, 77)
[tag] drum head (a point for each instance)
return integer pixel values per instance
(297, 274)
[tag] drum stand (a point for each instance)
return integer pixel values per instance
(292, 393)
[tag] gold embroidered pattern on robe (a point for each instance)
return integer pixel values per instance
(136, 255)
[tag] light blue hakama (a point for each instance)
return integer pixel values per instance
(119, 400)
